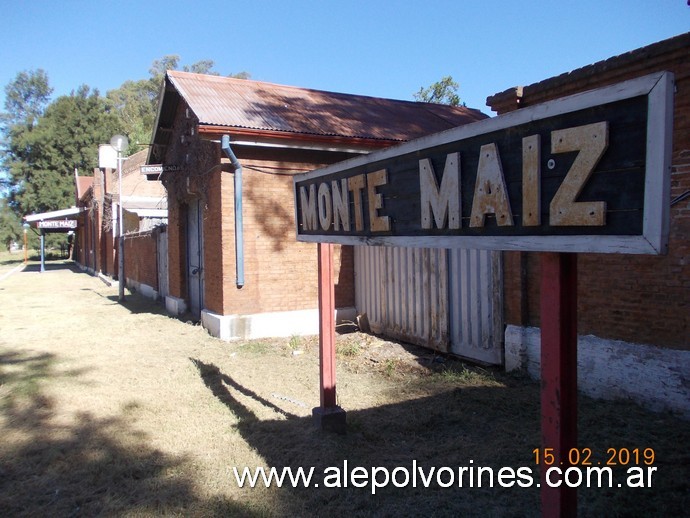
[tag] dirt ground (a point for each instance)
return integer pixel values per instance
(120, 410)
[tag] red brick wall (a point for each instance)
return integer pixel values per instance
(141, 258)
(107, 253)
(80, 240)
(214, 245)
(280, 272)
(643, 299)
(177, 286)
(87, 240)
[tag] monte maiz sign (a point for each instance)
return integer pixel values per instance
(585, 173)
(57, 224)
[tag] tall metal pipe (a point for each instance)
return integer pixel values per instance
(239, 236)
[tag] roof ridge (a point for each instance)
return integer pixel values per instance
(217, 78)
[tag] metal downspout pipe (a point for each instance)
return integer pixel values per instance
(239, 237)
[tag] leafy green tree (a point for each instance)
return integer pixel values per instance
(444, 91)
(136, 102)
(41, 159)
(26, 98)
(10, 226)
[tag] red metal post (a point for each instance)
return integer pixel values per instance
(326, 325)
(558, 379)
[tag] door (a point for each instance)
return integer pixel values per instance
(195, 254)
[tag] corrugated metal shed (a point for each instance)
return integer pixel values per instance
(257, 106)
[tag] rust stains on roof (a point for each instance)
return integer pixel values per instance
(245, 107)
(242, 103)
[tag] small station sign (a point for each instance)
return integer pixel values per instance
(158, 169)
(57, 224)
(585, 173)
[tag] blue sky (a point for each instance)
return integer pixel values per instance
(378, 48)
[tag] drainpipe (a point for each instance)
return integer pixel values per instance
(239, 238)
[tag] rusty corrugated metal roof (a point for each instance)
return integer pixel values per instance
(256, 105)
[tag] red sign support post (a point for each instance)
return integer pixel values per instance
(558, 378)
(329, 416)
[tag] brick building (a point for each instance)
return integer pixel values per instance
(634, 311)
(265, 283)
(144, 206)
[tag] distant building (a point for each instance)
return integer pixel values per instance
(145, 217)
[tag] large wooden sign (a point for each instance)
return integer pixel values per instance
(585, 173)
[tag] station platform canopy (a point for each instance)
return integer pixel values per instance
(63, 220)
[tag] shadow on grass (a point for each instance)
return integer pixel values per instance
(453, 427)
(137, 303)
(91, 467)
(54, 265)
(11, 262)
(440, 430)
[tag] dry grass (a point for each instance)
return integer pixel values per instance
(120, 410)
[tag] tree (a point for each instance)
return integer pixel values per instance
(26, 98)
(41, 159)
(10, 225)
(444, 91)
(136, 102)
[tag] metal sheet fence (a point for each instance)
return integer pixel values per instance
(447, 300)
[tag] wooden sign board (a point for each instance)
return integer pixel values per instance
(58, 224)
(585, 173)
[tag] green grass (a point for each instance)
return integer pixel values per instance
(348, 349)
(465, 376)
(295, 342)
(255, 347)
(10, 260)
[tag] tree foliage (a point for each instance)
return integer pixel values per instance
(41, 158)
(10, 225)
(26, 98)
(444, 91)
(44, 142)
(136, 102)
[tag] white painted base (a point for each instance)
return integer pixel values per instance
(107, 280)
(174, 305)
(268, 325)
(144, 289)
(654, 377)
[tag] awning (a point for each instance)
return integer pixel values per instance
(68, 214)
(64, 220)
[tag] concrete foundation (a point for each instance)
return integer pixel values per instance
(332, 419)
(175, 306)
(654, 377)
(268, 325)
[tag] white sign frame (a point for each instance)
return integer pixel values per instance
(654, 238)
